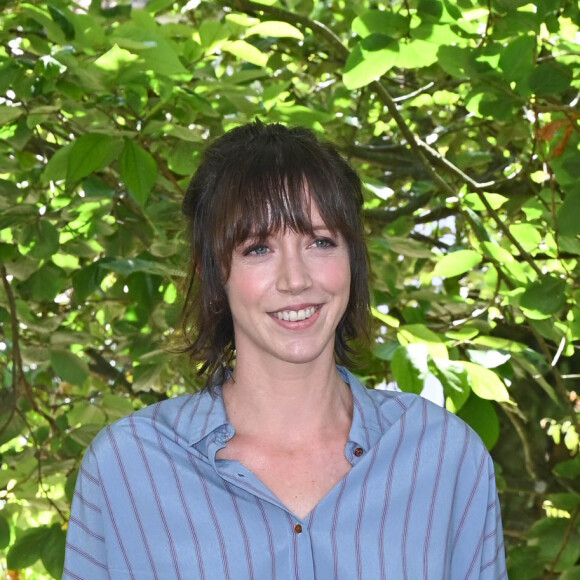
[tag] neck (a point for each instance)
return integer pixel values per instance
(290, 400)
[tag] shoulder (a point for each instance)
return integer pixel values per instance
(169, 419)
(415, 418)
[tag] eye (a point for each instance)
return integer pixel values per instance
(324, 243)
(256, 250)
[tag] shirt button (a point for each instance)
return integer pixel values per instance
(358, 451)
(298, 528)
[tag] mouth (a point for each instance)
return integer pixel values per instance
(295, 315)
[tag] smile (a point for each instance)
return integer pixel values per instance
(295, 315)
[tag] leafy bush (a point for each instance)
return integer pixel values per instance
(462, 119)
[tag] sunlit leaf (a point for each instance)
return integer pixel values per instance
(453, 377)
(416, 54)
(419, 333)
(246, 51)
(457, 263)
(409, 366)
(485, 383)
(276, 29)
(370, 59)
(527, 236)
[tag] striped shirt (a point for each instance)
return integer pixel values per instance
(152, 501)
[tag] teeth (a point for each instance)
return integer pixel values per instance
(295, 315)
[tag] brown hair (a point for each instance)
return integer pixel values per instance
(254, 180)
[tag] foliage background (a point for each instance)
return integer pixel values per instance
(462, 118)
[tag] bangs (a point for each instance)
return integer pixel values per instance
(274, 192)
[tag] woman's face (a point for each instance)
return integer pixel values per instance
(288, 294)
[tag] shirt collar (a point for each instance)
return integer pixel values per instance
(367, 426)
(209, 414)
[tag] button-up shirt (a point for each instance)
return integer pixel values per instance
(152, 501)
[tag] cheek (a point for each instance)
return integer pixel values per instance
(338, 276)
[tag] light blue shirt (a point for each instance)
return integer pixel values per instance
(152, 501)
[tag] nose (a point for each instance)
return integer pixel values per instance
(294, 274)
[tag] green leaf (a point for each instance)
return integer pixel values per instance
(371, 58)
(453, 60)
(146, 378)
(46, 283)
(569, 468)
(11, 426)
(138, 170)
(407, 247)
(482, 417)
(154, 6)
(84, 413)
(454, 379)
(142, 37)
(380, 22)
(115, 59)
(62, 17)
(27, 548)
(89, 153)
(246, 51)
(517, 58)
(485, 383)
(116, 406)
(522, 563)
(52, 553)
(527, 236)
(457, 263)
(419, 333)
(128, 266)
(550, 78)
(499, 254)
(430, 10)
(9, 114)
(56, 168)
(46, 242)
(4, 532)
(68, 366)
(276, 29)
(212, 32)
(85, 434)
(409, 366)
(544, 297)
(416, 54)
(385, 318)
(556, 540)
(489, 359)
(567, 216)
(385, 350)
(571, 574)
(86, 280)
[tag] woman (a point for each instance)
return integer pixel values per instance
(285, 466)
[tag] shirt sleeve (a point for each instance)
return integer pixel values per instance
(85, 554)
(478, 547)
(492, 563)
